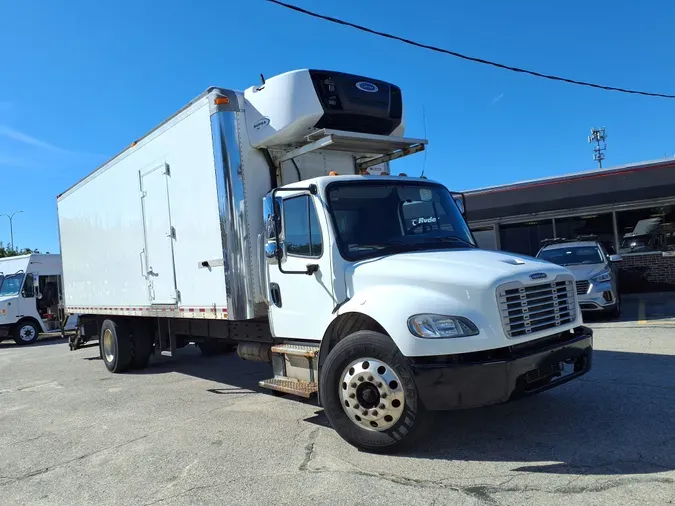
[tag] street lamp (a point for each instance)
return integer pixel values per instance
(11, 228)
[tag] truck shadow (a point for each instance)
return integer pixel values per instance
(43, 340)
(618, 419)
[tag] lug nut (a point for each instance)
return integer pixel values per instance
(379, 384)
(352, 395)
(381, 406)
(370, 378)
(360, 378)
(374, 412)
(356, 406)
(365, 411)
(384, 395)
(353, 385)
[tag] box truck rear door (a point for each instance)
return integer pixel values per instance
(159, 236)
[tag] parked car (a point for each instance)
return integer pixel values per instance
(594, 269)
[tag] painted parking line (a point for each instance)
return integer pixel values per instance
(642, 316)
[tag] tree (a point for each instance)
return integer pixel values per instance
(6, 251)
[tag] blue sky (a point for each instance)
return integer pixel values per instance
(80, 80)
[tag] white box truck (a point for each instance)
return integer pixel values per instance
(30, 295)
(267, 220)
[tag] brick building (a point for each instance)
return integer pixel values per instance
(630, 208)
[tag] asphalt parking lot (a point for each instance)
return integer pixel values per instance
(193, 430)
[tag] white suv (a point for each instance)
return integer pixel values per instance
(594, 270)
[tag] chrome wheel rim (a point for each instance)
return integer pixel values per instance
(371, 394)
(27, 333)
(108, 345)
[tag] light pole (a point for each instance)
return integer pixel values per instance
(11, 228)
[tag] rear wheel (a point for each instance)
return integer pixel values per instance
(369, 396)
(116, 346)
(143, 342)
(25, 332)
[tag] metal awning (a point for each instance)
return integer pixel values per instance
(387, 147)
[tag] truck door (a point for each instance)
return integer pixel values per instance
(158, 265)
(300, 305)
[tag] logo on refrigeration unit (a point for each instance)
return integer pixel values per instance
(261, 123)
(368, 87)
(538, 275)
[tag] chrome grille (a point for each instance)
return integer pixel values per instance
(582, 287)
(527, 309)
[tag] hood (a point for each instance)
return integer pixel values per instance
(457, 268)
(586, 272)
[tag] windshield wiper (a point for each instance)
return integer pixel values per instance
(449, 238)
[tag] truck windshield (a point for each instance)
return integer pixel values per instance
(378, 218)
(11, 285)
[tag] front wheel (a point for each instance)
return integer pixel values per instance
(369, 395)
(25, 332)
(615, 312)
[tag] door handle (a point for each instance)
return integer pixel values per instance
(275, 294)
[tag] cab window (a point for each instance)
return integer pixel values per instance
(301, 225)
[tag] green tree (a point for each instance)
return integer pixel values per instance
(6, 251)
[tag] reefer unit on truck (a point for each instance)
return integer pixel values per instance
(267, 220)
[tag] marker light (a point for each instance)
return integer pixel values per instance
(221, 101)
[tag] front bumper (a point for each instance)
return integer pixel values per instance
(599, 297)
(501, 375)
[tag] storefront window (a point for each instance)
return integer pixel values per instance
(485, 237)
(525, 238)
(600, 225)
(646, 230)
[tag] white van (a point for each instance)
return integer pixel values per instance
(30, 294)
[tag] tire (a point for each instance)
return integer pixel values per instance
(615, 312)
(25, 332)
(116, 346)
(213, 347)
(143, 346)
(388, 427)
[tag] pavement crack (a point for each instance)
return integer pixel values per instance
(37, 472)
(309, 449)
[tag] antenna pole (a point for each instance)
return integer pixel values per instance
(599, 136)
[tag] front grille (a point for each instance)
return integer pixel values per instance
(582, 287)
(534, 308)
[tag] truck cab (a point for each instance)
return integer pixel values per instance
(30, 294)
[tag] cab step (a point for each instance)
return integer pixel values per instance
(290, 386)
(298, 350)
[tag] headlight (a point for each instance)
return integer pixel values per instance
(602, 277)
(439, 326)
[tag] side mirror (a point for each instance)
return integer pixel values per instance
(459, 200)
(274, 252)
(271, 211)
(615, 258)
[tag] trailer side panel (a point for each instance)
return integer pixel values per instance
(136, 234)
